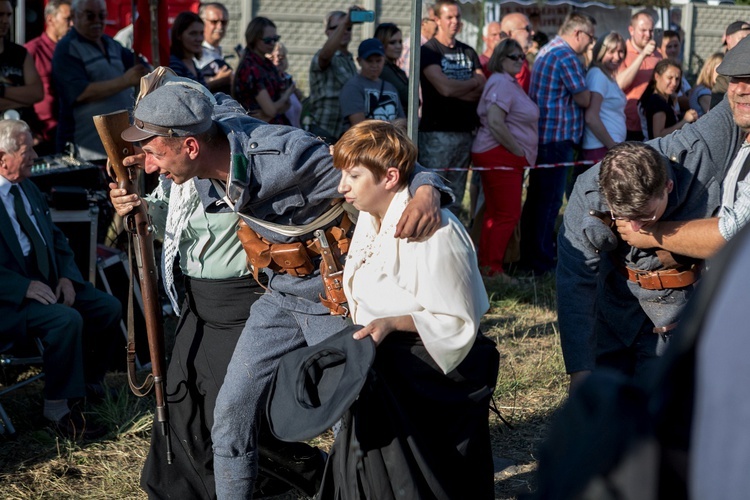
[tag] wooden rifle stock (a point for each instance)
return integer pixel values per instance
(138, 225)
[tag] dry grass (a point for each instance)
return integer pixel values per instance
(532, 382)
(531, 385)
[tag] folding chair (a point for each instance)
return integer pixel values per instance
(8, 359)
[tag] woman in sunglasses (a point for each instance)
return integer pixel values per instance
(505, 143)
(258, 85)
(186, 44)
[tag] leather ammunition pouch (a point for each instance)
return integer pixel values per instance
(296, 258)
(291, 258)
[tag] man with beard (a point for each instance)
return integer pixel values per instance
(702, 238)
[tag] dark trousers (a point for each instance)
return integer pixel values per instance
(78, 341)
(543, 201)
(214, 314)
(638, 360)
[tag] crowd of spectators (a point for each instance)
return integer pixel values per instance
(583, 110)
(523, 101)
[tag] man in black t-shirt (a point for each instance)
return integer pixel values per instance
(452, 83)
(20, 85)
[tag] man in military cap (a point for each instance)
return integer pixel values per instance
(282, 182)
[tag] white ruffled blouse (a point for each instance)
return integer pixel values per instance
(437, 282)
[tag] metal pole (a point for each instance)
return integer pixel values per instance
(20, 16)
(414, 61)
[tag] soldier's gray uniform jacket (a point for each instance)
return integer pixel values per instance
(283, 175)
(593, 298)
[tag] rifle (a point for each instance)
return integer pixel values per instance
(140, 232)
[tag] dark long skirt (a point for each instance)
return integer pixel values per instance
(213, 316)
(415, 432)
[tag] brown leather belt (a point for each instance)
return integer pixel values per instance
(663, 279)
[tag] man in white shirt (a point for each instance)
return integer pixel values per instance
(215, 70)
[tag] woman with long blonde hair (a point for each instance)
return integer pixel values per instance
(700, 97)
(605, 116)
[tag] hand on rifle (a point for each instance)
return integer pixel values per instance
(122, 201)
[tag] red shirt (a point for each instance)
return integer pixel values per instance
(41, 49)
(635, 90)
(524, 76)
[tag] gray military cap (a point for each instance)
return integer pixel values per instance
(170, 111)
(737, 61)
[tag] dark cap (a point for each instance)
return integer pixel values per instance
(737, 61)
(170, 111)
(735, 27)
(314, 386)
(370, 47)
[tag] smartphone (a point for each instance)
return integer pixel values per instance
(362, 16)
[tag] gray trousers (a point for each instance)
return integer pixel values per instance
(279, 323)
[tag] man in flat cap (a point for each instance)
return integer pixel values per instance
(282, 182)
(600, 304)
(702, 238)
(733, 35)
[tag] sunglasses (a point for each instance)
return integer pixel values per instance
(526, 28)
(515, 57)
(91, 16)
(223, 22)
(334, 27)
(271, 39)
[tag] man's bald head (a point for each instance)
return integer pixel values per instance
(518, 27)
(491, 34)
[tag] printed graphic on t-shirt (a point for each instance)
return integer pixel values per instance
(381, 107)
(457, 66)
(10, 73)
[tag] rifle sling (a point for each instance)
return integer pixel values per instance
(143, 389)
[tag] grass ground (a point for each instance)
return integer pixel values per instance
(531, 385)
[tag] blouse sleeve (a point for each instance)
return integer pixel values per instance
(501, 93)
(443, 276)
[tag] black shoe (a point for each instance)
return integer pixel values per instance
(75, 427)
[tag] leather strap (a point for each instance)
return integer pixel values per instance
(665, 329)
(665, 279)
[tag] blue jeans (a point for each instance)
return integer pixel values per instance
(279, 323)
(543, 201)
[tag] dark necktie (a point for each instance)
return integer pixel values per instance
(27, 226)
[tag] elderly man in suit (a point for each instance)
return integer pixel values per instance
(44, 295)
